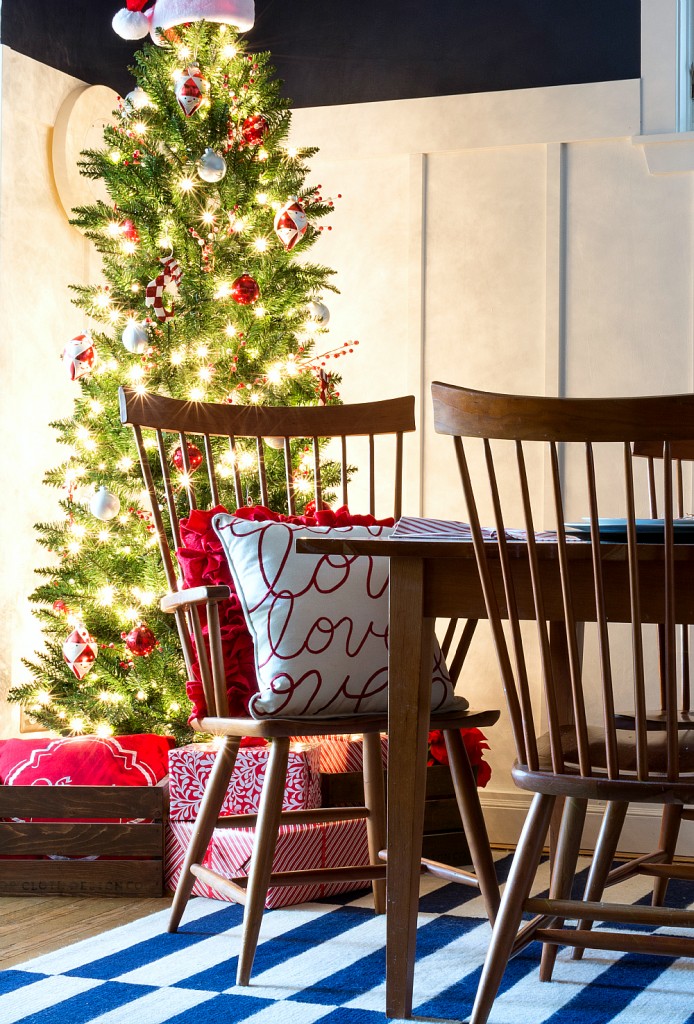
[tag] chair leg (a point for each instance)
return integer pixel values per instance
(267, 827)
(375, 802)
(564, 871)
(210, 807)
(669, 831)
(605, 849)
(520, 880)
(473, 821)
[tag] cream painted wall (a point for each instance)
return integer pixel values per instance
(40, 255)
(512, 241)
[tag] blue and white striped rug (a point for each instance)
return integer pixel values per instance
(325, 962)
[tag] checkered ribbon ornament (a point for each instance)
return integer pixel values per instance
(167, 281)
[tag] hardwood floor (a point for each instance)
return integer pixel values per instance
(30, 926)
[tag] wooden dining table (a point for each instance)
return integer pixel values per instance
(431, 578)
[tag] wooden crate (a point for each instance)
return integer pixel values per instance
(444, 838)
(130, 856)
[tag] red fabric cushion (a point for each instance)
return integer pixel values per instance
(203, 563)
(140, 760)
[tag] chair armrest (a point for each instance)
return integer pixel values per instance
(195, 595)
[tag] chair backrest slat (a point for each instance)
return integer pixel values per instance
(238, 486)
(525, 699)
(343, 471)
(262, 476)
(168, 490)
(317, 483)
(372, 476)
(603, 636)
(289, 476)
(211, 474)
(575, 668)
(493, 611)
(640, 710)
(682, 452)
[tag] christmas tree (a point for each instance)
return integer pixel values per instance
(208, 295)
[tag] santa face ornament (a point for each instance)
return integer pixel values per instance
(190, 89)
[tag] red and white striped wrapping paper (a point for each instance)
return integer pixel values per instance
(299, 847)
(345, 753)
(190, 767)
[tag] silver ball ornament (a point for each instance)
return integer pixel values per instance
(211, 166)
(104, 505)
(275, 442)
(318, 313)
(135, 338)
(137, 99)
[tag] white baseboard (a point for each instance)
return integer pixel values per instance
(505, 812)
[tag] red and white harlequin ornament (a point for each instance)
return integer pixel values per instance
(291, 223)
(129, 231)
(245, 290)
(190, 89)
(194, 458)
(140, 640)
(79, 355)
(253, 130)
(168, 281)
(79, 651)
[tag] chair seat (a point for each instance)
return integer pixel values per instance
(273, 728)
(598, 785)
(655, 720)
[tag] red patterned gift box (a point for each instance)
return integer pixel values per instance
(299, 847)
(190, 767)
(344, 753)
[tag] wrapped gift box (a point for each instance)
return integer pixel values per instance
(344, 753)
(299, 847)
(190, 767)
(342, 785)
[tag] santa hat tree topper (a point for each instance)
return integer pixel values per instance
(132, 22)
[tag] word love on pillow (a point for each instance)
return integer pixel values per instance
(319, 623)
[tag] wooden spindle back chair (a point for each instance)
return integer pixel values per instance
(566, 587)
(602, 874)
(230, 464)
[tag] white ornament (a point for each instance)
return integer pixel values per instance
(211, 166)
(135, 338)
(137, 99)
(104, 505)
(318, 313)
(275, 442)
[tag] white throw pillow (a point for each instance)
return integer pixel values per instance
(319, 622)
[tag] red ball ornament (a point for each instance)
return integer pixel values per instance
(80, 650)
(254, 129)
(60, 606)
(194, 458)
(245, 290)
(141, 640)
